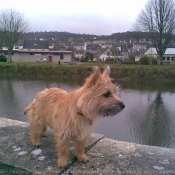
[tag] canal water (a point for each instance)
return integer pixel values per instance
(148, 118)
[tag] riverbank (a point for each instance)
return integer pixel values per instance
(157, 73)
(107, 156)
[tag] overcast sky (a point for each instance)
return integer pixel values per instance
(100, 17)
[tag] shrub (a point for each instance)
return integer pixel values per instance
(3, 58)
(154, 61)
(145, 60)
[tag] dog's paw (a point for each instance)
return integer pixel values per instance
(36, 143)
(62, 163)
(83, 158)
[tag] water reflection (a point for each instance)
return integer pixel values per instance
(147, 119)
(153, 126)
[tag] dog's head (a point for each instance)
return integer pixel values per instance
(99, 95)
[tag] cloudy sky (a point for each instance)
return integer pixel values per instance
(100, 17)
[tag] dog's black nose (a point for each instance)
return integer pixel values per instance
(122, 105)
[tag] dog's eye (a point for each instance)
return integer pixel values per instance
(107, 94)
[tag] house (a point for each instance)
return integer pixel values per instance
(139, 45)
(105, 54)
(122, 50)
(35, 49)
(37, 45)
(78, 54)
(105, 45)
(78, 46)
(151, 52)
(93, 48)
(169, 55)
(17, 46)
(109, 53)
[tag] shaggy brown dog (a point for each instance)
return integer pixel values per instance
(73, 115)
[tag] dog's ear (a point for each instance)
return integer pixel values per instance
(91, 81)
(106, 71)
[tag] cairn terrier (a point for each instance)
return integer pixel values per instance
(73, 115)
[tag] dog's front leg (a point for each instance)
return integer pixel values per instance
(63, 152)
(80, 151)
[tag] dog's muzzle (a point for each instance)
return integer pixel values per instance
(114, 110)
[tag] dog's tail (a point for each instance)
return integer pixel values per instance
(27, 109)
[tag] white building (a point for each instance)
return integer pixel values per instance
(32, 56)
(169, 55)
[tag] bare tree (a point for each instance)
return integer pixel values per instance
(158, 18)
(12, 25)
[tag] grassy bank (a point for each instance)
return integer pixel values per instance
(118, 71)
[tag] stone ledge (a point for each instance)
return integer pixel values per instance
(107, 156)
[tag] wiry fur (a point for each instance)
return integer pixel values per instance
(73, 115)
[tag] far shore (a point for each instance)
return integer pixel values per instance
(125, 72)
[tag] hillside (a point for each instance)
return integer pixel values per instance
(66, 35)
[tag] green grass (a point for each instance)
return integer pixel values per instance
(100, 64)
(80, 70)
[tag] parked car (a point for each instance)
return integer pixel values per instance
(42, 60)
(71, 63)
